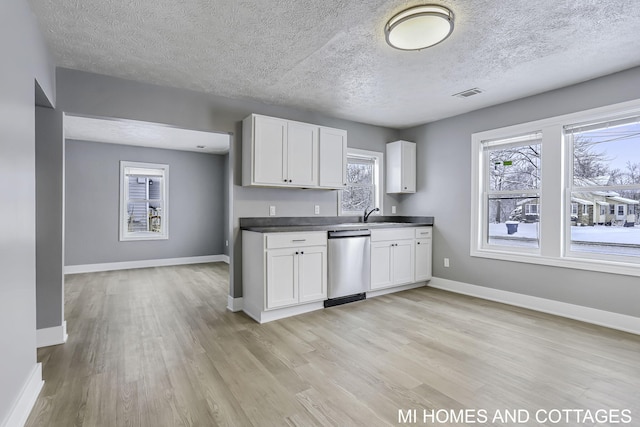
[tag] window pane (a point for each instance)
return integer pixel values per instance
(137, 216)
(607, 155)
(155, 187)
(357, 198)
(612, 228)
(514, 167)
(360, 171)
(514, 221)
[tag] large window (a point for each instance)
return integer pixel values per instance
(563, 191)
(511, 174)
(364, 182)
(143, 201)
(606, 174)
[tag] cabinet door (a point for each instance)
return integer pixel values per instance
(408, 167)
(270, 151)
(312, 274)
(333, 158)
(381, 260)
(302, 141)
(423, 259)
(402, 262)
(282, 273)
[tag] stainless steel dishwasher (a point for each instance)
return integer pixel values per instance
(349, 265)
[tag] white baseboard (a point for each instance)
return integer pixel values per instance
(377, 293)
(595, 316)
(23, 406)
(281, 313)
(234, 304)
(126, 265)
(51, 336)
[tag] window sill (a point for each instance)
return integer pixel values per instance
(598, 265)
(132, 237)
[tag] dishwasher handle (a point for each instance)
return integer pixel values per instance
(340, 234)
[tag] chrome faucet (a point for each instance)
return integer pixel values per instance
(366, 214)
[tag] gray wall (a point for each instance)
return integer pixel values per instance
(49, 217)
(444, 182)
(24, 59)
(97, 95)
(197, 204)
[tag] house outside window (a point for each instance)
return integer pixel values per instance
(364, 182)
(143, 201)
(587, 194)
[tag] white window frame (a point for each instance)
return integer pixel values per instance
(378, 178)
(555, 195)
(125, 235)
(483, 194)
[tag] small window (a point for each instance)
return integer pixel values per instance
(364, 186)
(585, 209)
(574, 209)
(143, 201)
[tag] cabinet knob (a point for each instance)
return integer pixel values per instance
(405, 188)
(418, 242)
(285, 180)
(296, 253)
(289, 180)
(301, 253)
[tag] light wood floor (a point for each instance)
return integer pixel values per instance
(157, 347)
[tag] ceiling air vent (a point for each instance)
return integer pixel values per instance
(467, 93)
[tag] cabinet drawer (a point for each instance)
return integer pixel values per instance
(381, 234)
(294, 240)
(423, 232)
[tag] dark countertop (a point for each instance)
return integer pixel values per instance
(297, 224)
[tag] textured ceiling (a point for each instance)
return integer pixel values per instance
(145, 134)
(330, 55)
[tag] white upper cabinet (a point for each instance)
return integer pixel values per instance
(302, 159)
(401, 167)
(285, 153)
(333, 158)
(271, 150)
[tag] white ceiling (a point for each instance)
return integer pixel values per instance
(144, 134)
(330, 55)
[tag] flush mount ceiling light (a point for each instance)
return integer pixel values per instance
(419, 27)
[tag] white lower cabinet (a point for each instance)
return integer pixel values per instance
(423, 259)
(283, 273)
(392, 257)
(296, 275)
(282, 283)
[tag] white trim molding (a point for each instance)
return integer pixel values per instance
(380, 292)
(234, 304)
(595, 316)
(24, 404)
(225, 258)
(126, 265)
(52, 336)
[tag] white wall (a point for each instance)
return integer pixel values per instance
(444, 184)
(24, 57)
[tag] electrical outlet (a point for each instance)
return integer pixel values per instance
(316, 210)
(272, 210)
(446, 262)
(226, 243)
(393, 209)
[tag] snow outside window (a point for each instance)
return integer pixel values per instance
(511, 176)
(143, 201)
(606, 169)
(364, 186)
